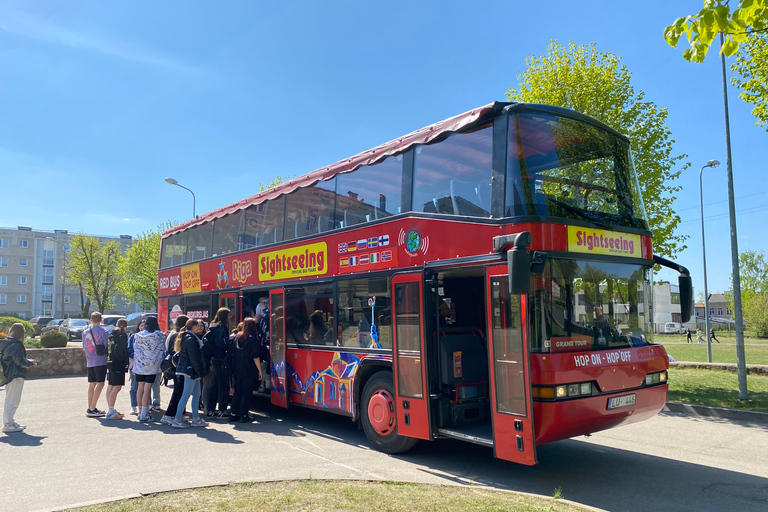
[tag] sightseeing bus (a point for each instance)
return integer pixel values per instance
(487, 278)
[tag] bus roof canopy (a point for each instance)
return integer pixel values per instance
(402, 144)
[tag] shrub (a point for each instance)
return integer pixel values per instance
(53, 339)
(32, 343)
(7, 321)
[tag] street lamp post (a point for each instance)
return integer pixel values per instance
(741, 361)
(713, 164)
(63, 272)
(174, 182)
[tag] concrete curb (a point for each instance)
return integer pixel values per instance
(751, 368)
(717, 412)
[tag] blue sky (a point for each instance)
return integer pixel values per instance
(100, 101)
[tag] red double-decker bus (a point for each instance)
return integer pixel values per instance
(486, 278)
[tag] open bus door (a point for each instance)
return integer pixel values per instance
(408, 349)
(510, 380)
(277, 348)
(232, 302)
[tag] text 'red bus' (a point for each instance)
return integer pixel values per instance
(487, 278)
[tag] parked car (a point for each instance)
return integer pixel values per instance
(134, 319)
(673, 328)
(53, 325)
(38, 322)
(109, 322)
(74, 327)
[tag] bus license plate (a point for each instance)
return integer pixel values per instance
(621, 401)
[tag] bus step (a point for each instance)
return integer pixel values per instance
(477, 434)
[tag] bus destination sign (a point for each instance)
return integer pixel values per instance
(600, 241)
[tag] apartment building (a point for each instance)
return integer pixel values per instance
(32, 274)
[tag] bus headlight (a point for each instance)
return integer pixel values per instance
(656, 378)
(562, 391)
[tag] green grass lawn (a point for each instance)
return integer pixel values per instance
(754, 354)
(332, 496)
(717, 388)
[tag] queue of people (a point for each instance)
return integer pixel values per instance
(216, 371)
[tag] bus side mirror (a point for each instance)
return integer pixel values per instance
(686, 297)
(519, 269)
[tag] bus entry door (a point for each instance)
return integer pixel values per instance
(408, 351)
(277, 349)
(510, 380)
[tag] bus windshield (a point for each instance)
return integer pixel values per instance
(562, 167)
(602, 303)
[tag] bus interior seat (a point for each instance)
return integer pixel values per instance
(465, 396)
(300, 229)
(352, 217)
(462, 190)
(484, 195)
(323, 223)
(474, 357)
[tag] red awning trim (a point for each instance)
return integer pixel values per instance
(369, 157)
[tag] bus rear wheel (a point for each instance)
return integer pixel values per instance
(379, 417)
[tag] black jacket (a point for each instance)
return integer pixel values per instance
(14, 359)
(215, 343)
(241, 357)
(191, 358)
(117, 356)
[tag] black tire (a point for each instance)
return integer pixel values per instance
(384, 438)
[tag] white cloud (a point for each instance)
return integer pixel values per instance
(20, 23)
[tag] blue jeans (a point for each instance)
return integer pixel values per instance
(156, 390)
(191, 388)
(134, 390)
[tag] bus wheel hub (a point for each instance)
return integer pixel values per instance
(381, 412)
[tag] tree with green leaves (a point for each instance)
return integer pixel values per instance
(138, 269)
(275, 182)
(745, 34)
(752, 67)
(748, 17)
(93, 266)
(580, 78)
(753, 275)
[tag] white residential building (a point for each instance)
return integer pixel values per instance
(32, 272)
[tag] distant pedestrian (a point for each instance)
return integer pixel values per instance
(149, 351)
(95, 342)
(699, 339)
(688, 335)
(712, 335)
(117, 366)
(13, 357)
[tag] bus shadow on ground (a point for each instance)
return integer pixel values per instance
(607, 478)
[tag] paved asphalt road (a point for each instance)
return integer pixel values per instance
(671, 462)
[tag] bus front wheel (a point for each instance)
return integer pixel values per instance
(379, 417)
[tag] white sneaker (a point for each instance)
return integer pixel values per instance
(166, 420)
(179, 424)
(12, 427)
(134, 411)
(199, 422)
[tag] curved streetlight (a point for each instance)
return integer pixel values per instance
(174, 182)
(713, 164)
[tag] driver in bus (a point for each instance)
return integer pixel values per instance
(602, 328)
